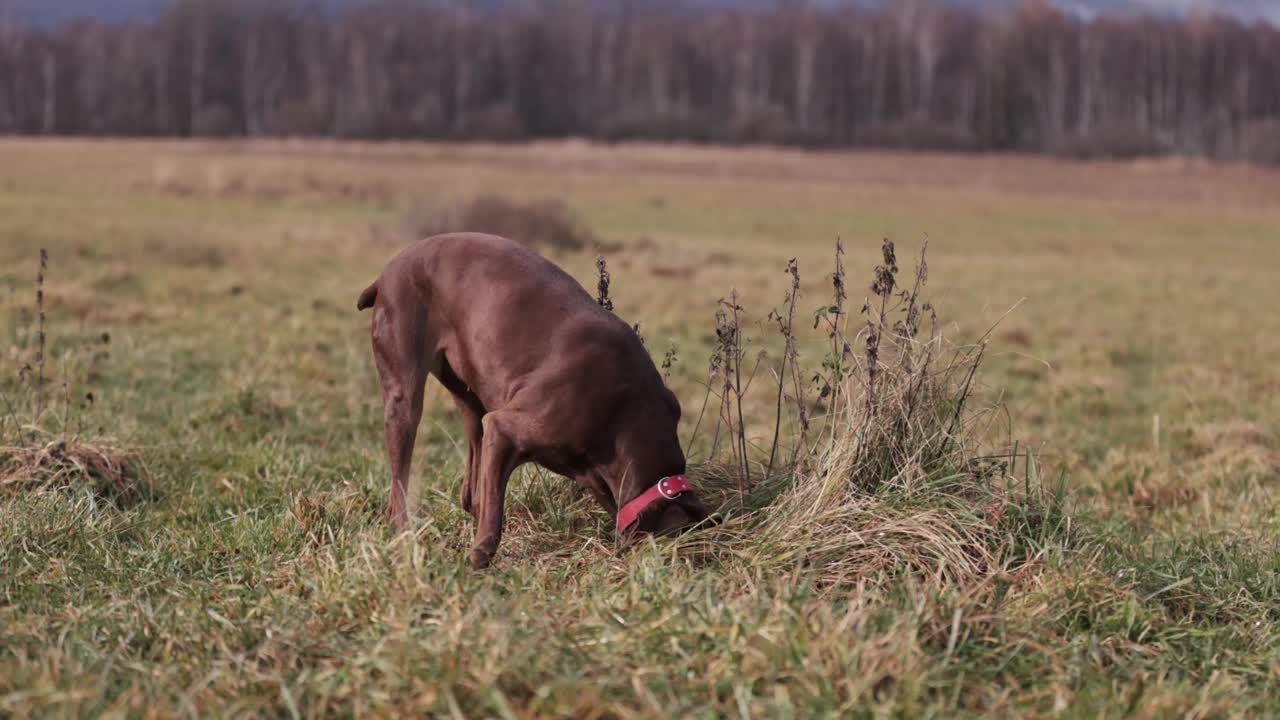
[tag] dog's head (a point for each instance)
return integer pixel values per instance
(673, 516)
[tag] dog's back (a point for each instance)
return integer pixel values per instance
(499, 312)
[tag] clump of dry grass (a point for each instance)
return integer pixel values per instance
(545, 224)
(897, 479)
(50, 462)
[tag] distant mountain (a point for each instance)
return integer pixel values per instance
(52, 13)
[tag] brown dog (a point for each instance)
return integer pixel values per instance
(539, 372)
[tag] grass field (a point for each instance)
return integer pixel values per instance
(204, 293)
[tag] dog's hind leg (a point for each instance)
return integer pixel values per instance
(500, 454)
(402, 369)
(470, 410)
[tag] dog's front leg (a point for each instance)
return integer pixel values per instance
(599, 489)
(499, 456)
(470, 411)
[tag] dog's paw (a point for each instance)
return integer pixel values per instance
(396, 519)
(479, 559)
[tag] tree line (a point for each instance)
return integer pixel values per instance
(911, 73)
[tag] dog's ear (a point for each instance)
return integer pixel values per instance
(702, 516)
(672, 517)
(693, 506)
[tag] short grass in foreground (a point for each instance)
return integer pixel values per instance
(252, 573)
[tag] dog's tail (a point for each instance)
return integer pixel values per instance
(367, 297)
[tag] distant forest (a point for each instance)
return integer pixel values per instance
(910, 74)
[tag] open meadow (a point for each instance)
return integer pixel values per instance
(204, 536)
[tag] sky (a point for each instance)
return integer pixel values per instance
(55, 12)
(1268, 10)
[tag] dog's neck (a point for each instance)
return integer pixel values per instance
(634, 484)
(665, 490)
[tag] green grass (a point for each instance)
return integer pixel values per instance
(253, 575)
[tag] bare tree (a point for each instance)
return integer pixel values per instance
(911, 73)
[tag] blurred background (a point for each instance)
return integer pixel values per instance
(1073, 77)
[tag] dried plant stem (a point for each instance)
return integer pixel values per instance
(777, 416)
(788, 353)
(715, 368)
(40, 336)
(706, 398)
(882, 288)
(602, 285)
(730, 352)
(838, 296)
(964, 391)
(715, 437)
(834, 315)
(802, 413)
(66, 401)
(910, 328)
(724, 332)
(668, 360)
(744, 478)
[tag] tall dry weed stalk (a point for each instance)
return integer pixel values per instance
(669, 359)
(790, 356)
(602, 284)
(41, 338)
(713, 371)
(882, 287)
(34, 372)
(739, 391)
(831, 377)
(730, 358)
(603, 298)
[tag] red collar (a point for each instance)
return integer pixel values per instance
(667, 488)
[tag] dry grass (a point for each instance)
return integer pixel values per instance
(105, 471)
(895, 482)
(913, 560)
